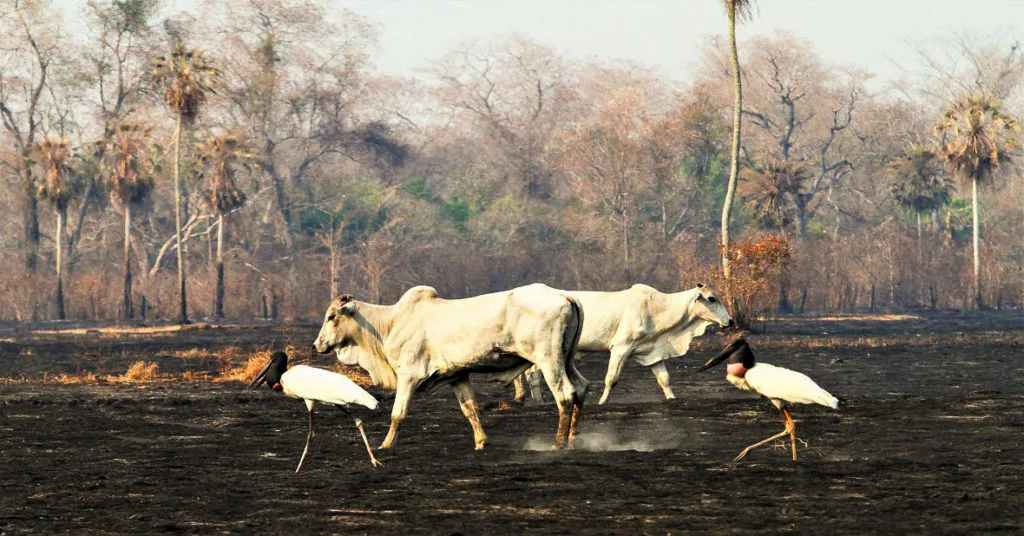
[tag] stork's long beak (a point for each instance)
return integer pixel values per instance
(726, 353)
(715, 360)
(260, 378)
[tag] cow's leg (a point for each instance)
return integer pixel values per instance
(580, 387)
(520, 390)
(564, 392)
(661, 373)
(403, 395)
(464, 392)
(618, 358)
(534, 377)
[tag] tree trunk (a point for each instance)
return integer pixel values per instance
(334, 262)
(801, 218)
(31, 223)
(127, 291)
(730, 191)
(218, 306)
(625, 250)
(283, 206)
(59, 240)
(183, 311)
(976, 231)
(76, 233)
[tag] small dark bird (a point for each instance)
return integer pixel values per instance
(316, 385)
(783, 387)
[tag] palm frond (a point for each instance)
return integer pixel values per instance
(53, 155)
(976, 135)
(187, 77)
(224, 155)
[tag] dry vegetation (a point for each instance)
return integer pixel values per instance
(617, 178)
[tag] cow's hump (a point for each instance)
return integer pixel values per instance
(419, 293)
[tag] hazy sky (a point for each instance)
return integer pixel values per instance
(667, 33)
(872, 34)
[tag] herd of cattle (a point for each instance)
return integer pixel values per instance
(424, 341)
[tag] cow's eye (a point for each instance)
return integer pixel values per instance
(330, 317)
(712, 299)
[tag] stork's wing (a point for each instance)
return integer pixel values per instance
(788, 385)
(325, 386)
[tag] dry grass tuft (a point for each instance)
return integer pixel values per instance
(248, 370)
(140, 371)
(72, 379)
(355, 374)
(226, 359)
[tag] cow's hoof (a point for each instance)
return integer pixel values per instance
(557, 446)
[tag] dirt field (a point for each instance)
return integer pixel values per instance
(927, 440)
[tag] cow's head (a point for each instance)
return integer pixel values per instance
(355, 340)
(708, 306)
(340, 328)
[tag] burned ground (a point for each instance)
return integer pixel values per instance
(927, 440)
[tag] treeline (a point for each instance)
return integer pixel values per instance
(304, 173)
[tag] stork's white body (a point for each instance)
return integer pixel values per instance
(782, 386)
(319, 385)
(314, 385)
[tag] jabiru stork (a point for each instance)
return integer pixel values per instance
(316, 385)
(781, 386)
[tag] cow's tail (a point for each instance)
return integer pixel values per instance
(569, 349)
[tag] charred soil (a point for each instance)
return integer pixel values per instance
(927, 440)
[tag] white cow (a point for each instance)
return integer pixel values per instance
(644, 325)
(423, 341)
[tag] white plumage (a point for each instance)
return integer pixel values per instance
(319, 385)
(316, 385)
(783, 387)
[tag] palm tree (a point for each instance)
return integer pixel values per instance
(130, 185)
(771, 190)
(735, 10)
(976, 135)
(58, 190)
(918, 182)
(223, 154)
(187, 77)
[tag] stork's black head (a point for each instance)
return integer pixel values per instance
(737, 352)
(271, 374)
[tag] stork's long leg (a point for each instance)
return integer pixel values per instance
(373, 459)
(791, 426)
(309, 439)
(790, 430)
(359, 424)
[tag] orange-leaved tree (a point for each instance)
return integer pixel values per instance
(758, 265)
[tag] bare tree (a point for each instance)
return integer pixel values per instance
(30, 54)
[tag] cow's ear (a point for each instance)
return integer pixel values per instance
(348, 309)
(345, 298)
(700, 285)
